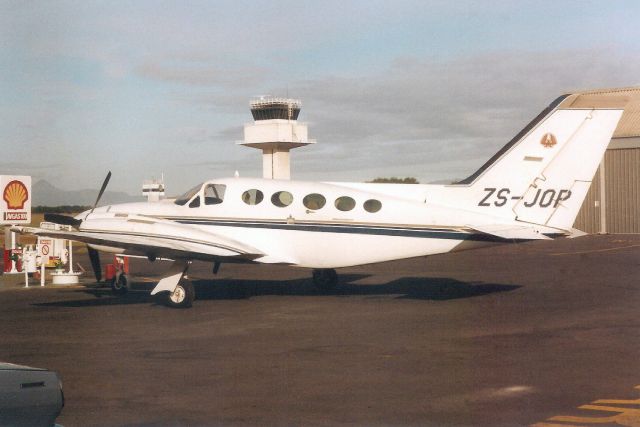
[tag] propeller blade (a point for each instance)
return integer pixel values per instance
(94, 256)
(62, 219)
(104, 187)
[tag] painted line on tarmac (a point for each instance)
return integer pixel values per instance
(595, 250)
(626, 415)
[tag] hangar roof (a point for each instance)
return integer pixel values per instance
(629, 125)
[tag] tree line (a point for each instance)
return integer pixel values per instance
(394, 180)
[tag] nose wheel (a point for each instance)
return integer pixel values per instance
(182, 296)
(325, 279)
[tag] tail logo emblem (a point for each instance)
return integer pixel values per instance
(548, 140)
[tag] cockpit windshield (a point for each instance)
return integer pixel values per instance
(183, 199)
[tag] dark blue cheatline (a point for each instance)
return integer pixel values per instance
(431, 233)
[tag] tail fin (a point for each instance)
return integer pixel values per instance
(542, 176)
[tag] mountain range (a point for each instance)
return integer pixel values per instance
(46, 194)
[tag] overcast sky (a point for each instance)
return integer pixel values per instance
(428, 89)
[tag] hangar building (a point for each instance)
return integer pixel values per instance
(612, 204)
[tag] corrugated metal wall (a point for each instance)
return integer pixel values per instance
(622, 192)
(588, 219)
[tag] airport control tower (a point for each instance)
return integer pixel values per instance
(275, 131)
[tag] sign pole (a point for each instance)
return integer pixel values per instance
(13, 246)
(42, 272)
(70, 257)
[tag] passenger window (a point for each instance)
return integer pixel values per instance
(214, 194)
(252, 197)
(314, 201)
(372, 205)
(282, 199)
(345, 203)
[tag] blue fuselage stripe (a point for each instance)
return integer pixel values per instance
(351, 229)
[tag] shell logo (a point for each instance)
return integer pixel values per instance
(15, 194)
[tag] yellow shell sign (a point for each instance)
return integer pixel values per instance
(15, 206)
(15, 194)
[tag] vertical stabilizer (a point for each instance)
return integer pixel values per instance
(542, 176)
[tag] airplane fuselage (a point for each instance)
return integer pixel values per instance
(324, 225)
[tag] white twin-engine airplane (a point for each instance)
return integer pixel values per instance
(531, 189)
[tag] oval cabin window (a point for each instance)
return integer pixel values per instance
(314, 201)
(345, 203)
(372, 205)
(252, 197)
(282, 199)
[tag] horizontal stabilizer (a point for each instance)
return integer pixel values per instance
(510, 232)
(574, 232)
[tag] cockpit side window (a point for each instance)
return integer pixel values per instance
(214, 194)
(195, 203)
(184, 198)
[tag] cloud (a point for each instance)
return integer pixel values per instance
(197, 73)
(20, 167)
(425, 112)
(429, 118)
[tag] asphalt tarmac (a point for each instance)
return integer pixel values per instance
(511, 335)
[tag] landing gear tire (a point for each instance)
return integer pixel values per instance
(182, 296)
(325, 279)
(120, 284)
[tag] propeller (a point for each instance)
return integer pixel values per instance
(69, 220)
(94, 257)
(104, 187)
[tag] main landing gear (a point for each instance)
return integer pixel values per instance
(120, 284)
(325, 279)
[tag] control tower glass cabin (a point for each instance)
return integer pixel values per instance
(275, 131)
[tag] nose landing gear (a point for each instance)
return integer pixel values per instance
(182, 296)
(325, 279)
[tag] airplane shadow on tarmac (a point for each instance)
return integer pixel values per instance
(420, 288)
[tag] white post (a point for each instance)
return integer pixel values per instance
(42, 271)
(26, 276)
(603, 197)
(70, 257)
(13, 246)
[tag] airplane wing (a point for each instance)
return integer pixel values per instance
(152, 237)
(510, 232)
